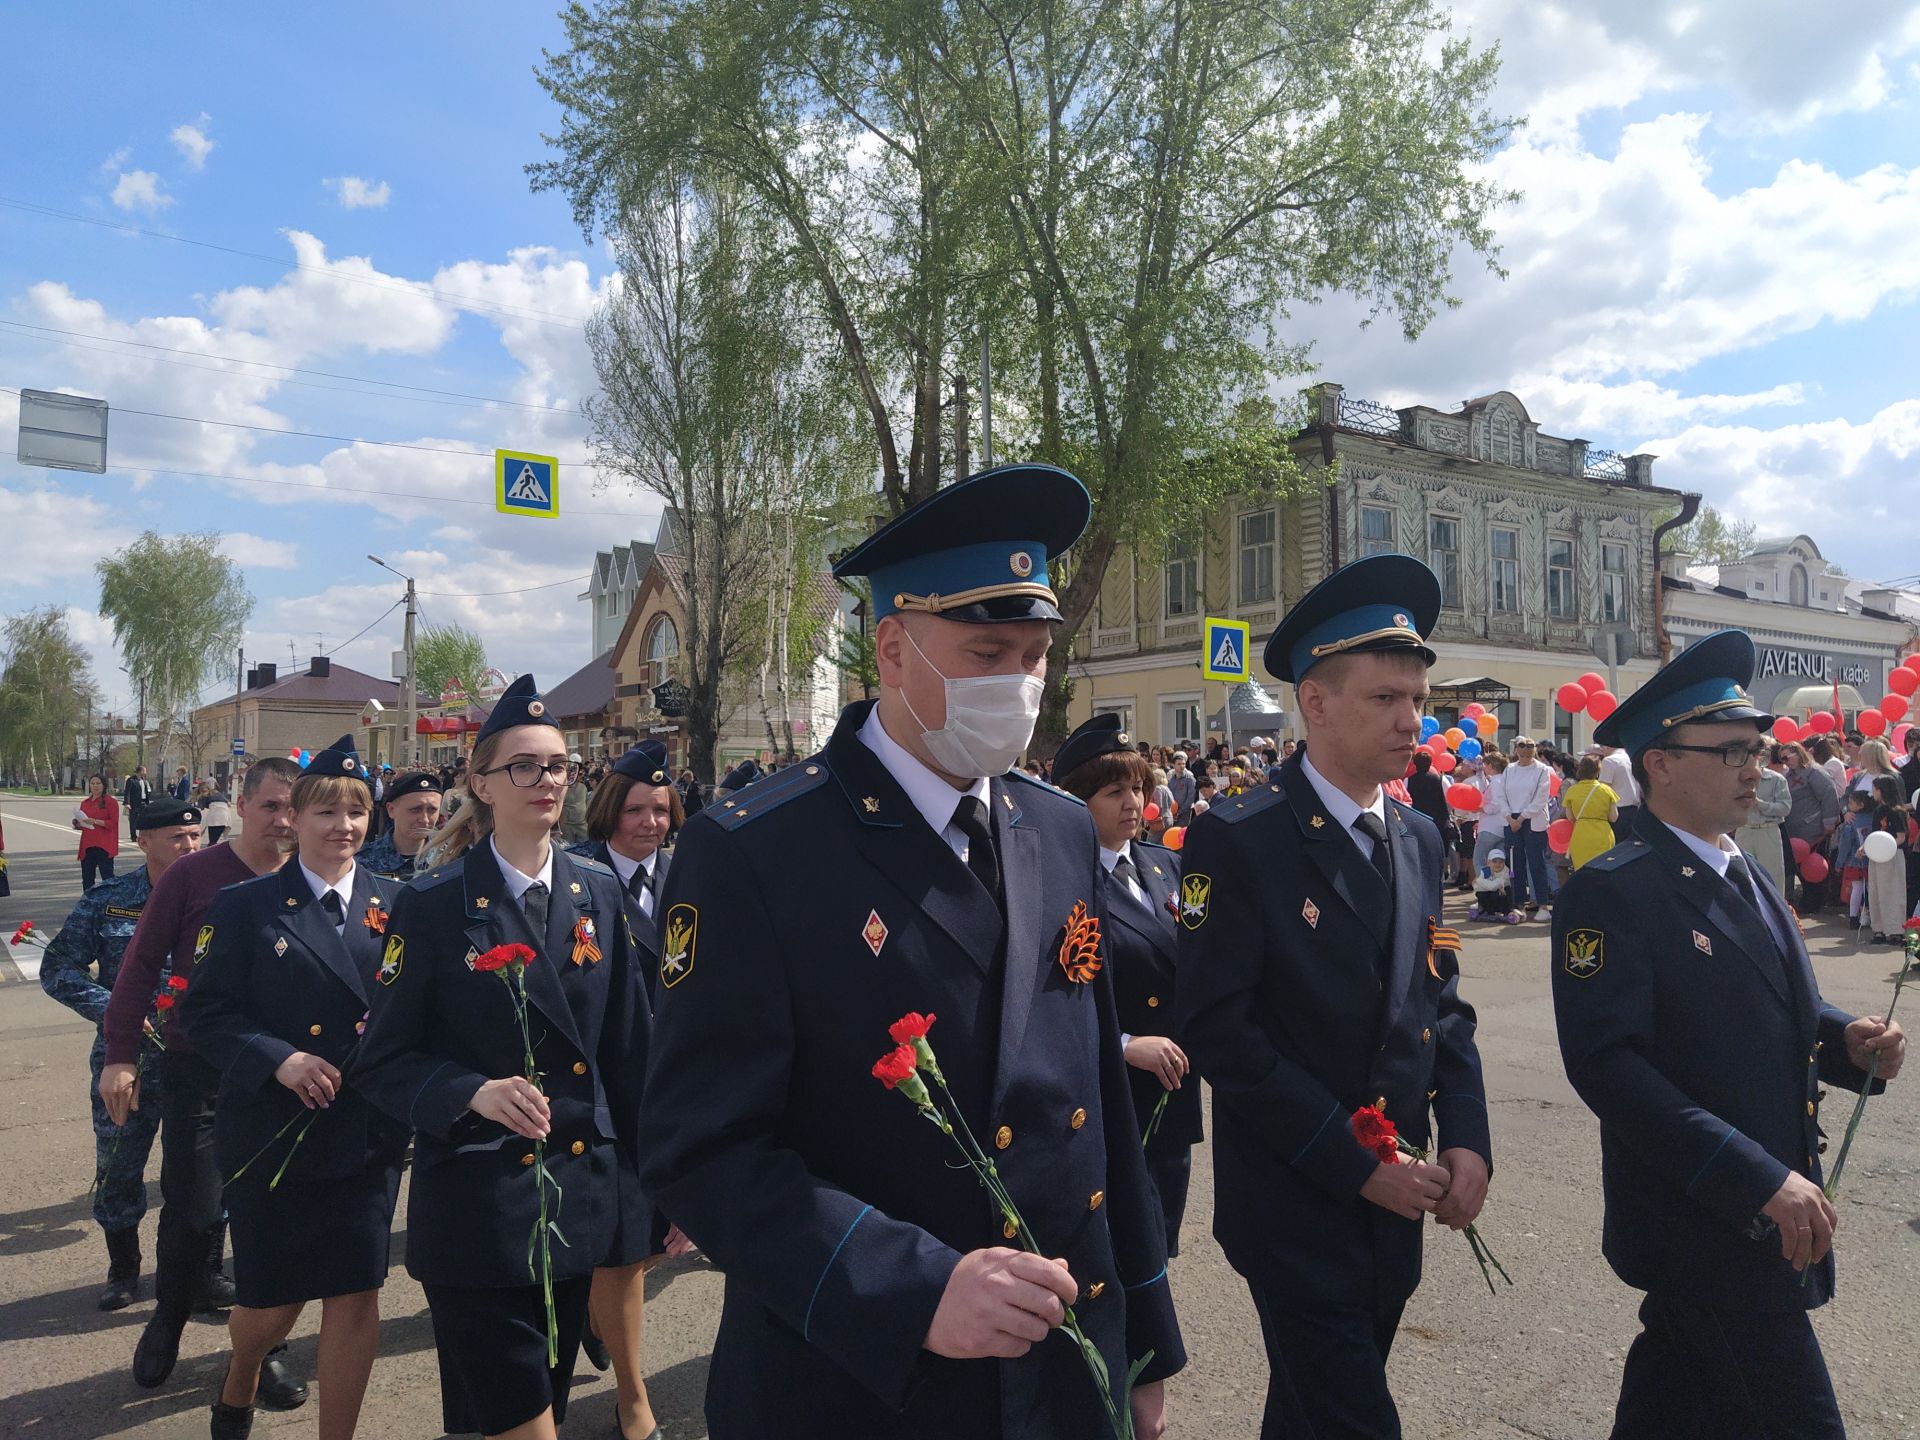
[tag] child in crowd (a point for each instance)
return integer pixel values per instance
(1848, 858)
(1886, 885)
(1493, 892)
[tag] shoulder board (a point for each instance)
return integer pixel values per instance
(590, 866)
(584, 849)
(768, 794)
(1153, 845)
(433, 879)
(1249, 802)
(1039, 784)
(1625, 853)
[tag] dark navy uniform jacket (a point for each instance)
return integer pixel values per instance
(1701, 1047)
(269, 978)
(440, 1029)
(1287, 933)
(646, 930)
(804, 916)
(94, 937)
(1144, 944)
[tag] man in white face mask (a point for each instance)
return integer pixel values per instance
(908, 868)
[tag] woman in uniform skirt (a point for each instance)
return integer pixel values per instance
(1098, 765)
(633, 813)
(444, 1054)
(275, 1000)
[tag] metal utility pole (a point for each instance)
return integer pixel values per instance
(986, 403)
(140, 738)
(410, 681)
(962, 425)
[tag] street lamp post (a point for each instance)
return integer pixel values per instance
(410, 699)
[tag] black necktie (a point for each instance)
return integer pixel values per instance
(336, 912)
(970, 819)
(534, 902)
(640, 881)
(1741, 879)
(1376, 828)
(1123, 871)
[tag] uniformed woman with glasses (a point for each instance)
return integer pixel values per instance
(444, 1054)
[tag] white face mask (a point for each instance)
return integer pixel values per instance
(989, 721)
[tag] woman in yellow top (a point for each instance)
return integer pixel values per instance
(1593, 808)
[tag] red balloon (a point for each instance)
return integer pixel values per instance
(1560, 836)
(1150, 814)
(1820, 722)
(1438, 745)
(1591, 682)
(1174, 837)
(1786, 730)
(1476, 710)
(1912, 662)
(1814, 869)
(1464, 797)
(1894, 707)
(1444, 762)
(1872, 722)
(1602, 703)
(1553, 783)
(1903, 681)
(1571, 697)
(1801, 849)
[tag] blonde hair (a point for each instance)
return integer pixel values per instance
(1874, 757)
(473, 821)
(310, 791)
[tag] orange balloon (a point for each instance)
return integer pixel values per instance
(1454, 736)
(1175, 837)
(1486, 724)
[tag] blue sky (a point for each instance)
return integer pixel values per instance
(1714, 262)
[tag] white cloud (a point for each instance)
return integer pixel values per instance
(357, 194)
(117, 160)
(140, 190)
(336, 305)
(192, 142)
(258, 552)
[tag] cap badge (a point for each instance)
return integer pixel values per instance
(1403, 622)
(349, 766)
(1021, 563)
(1124, 738)
(536, 709)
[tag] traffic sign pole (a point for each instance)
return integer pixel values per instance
(1223, 656)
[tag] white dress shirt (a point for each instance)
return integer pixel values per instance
(1111, 858)
(518, 881)
(1342, 807)
(933, 797)
(343, 887)
(624, 868)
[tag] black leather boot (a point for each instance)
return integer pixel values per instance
(123, 1269)
(178, 1262)
(215, 1291)
(230, 1422)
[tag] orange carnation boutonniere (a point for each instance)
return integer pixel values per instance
(1080, 946)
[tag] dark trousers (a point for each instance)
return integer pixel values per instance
(1527, 860)
(1623, 827)
(1170, 1167)
(189, 1182)
(1696, 1373)
(1326, 1368)
(214, 832)
(96, 866)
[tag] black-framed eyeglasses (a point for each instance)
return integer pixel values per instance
(1735, 753)
(526, 773)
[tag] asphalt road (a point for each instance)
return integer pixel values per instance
(1540, 1360)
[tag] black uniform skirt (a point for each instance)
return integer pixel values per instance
(311, 1239)
(493, 1353)
(639, 1230)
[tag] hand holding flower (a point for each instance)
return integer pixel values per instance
(1873, 1035)
(515, 1103)
(1000, 1303)
(1466, 1188)
(310, 1078)
(1407, 1190)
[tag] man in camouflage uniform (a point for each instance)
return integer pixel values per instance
(94, 937)
(413, 814)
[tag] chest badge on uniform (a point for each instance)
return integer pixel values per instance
(1080, 945)
(1317, 821)
(1702, 944)
(391, 959)
(875, 933)
(1310, 913)
(1687, 871)
(472, 956)
(1439, 938)
(1195, 891)
(677, 939)
(586, 945)
(280, 946)
(871, 803)
(1586, 953)
(375, 919)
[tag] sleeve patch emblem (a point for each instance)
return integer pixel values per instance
(391, 959)
(1195, 892)
(1586, 953)
(678, 937)
(202, 944)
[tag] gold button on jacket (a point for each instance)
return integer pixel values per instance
(1094, 1200)
(579, 1147)
(1003, 1137)
(579, 1067)
(1079, 1119)
(313, 1029)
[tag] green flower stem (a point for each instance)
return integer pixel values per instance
(1873, 1068)
(1482, 1252)
(547, 1226)
(1153, 1122)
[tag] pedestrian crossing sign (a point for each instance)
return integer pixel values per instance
(526, 484)
(1224, 650)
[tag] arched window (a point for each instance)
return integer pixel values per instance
(661, 649)
(1797, 585)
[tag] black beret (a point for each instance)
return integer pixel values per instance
(519, 704)
(415, 782)
(165, 813)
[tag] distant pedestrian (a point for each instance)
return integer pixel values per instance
(217, 817)
(137, 792)
(97, 818)
(182, 784)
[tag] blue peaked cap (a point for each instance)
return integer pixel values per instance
(1703, 684)
(1382, 602)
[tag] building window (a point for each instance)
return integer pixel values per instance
(1180, 722)
(1443, 554)
(1505, 543)
(1122, 708)
(1256, 557)
(1376, 530)
(1797, 586)
(662, 648)
(1613, 582)
(1560, 601)
(1183, 577)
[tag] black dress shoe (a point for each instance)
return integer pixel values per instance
(230, 1422)
(595, 1349)
(154, 1357)
(280, 1388)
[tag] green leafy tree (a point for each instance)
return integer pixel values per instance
(46, 693)
(177, 606)
(1712, 539)
(448, 652)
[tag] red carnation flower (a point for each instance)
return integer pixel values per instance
(910, 1027)
(1377, 1133)
(895, 1066)
(501, 956)
(176, 982)
(164, 1002)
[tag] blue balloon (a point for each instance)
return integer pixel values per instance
(1429, 727)
(1469, 749)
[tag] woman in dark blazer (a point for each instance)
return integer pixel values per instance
(444, 1054)
(275, 1000)
(1098, 764)
(635, 810)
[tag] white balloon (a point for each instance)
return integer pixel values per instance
(1880, 847)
